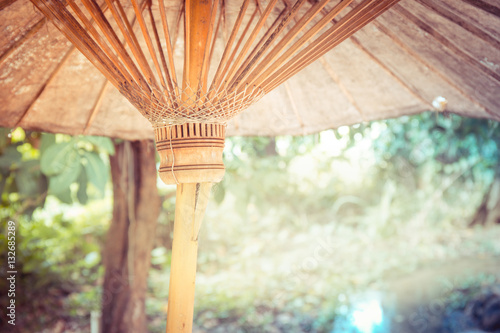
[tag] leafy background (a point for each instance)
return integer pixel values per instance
(382, 201)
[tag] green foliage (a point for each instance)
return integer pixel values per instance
(57, 251)
(56, 256)
(96, 170)
(23, 186)
(451, 143)
(386, 196)
(63, 166)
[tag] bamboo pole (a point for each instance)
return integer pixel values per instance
(192, 198)
(190, 205)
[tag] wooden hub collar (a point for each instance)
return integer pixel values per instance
(191, 152)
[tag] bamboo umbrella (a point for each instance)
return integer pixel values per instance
(399, 64)
(278, 40)
(189, 103)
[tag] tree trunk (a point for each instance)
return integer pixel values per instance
(127, 253)
(488, 212)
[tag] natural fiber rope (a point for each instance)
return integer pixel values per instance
(173, 156)
(166, 108)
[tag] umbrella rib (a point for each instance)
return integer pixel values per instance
(98, 39)
(182, 7)
(447, 43)
(453, 17)
(342, 30)
(147, 38)
(32, 31)
(46, 84)
(301, 42)
(6, 3)
(127, 31)
(251, 38)
(294, 106)
(435, 70)
(410, 89)
(170, 53)
(219, 22)
(358, 44)
(229, 45)
(207, 50)
(160, 50)
(235, 51)
(265, 42)
(113, 39)
(77, 35)
(341, 86)
(96, 107)
(483, 5)
(288, 38)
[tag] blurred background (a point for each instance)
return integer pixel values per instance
(387, 226)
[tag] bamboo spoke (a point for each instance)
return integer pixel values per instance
(302, 41)
(104, 46)
(170, 52)
(256, 58)
(342, 30)
(204, 67)
(288, 38)
(252, 38)
(113, 39)
(182, 8)
(236, 48)
(147, 38)
(160, 50)
(79, 37)
(219, 73)
(125, 27)
(262, 41)
(216, 33)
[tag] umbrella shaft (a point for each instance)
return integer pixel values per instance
(191, 203)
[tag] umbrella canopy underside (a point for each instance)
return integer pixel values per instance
(419, 55)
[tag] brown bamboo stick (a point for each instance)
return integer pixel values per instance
(246, 68)
(49, 80)
(147, 38)
(113, 39)
(28, 34)
(235, 51)
(128, 32)
(170, 52)
(216, 33)
(336, 31)
(63, 20)
(219, 75)
(251, 38)
(182, 7)
(287, 39)
(104, 46)
(96, 107)
(301, 42)
(160, 50)
(202, 86)
(342, 30)
(262, 41)
(190, 206)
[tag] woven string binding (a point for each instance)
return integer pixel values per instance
(169, 108)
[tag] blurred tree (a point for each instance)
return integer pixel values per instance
(127, 255)
(488, 212)
(448, 144)
(34, 165)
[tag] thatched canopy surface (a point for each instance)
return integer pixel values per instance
(416, 52)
